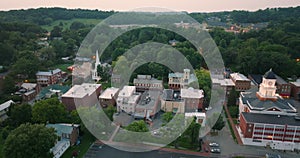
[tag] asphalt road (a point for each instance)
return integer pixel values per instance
(108, 152)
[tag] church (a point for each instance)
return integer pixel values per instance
(265, 100)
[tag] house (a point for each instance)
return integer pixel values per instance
(148, 105)
(171, 101)
(278, 132)
(29, 91)
(4, 109)
(283, 88)
(86, 94)
(46, 78)
(193, 99)
(266, 100)
(146, 82)
(108, 97)
(68, 136)
(295, 89)
(181, 80)
(128, 99)
(241, 82)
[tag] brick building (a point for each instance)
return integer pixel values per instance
(46, 78)
(181, 80)
(275, 131)
(193, 99)
(146, 82)
(85, 94)
(295, 89)
(241, 82)
(108, 97)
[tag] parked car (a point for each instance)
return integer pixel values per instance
(215, 150)
(272, 156)
(213, 144)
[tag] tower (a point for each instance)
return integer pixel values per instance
(94, 72)
(267, 89)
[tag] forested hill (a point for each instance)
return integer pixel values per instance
(45, 16)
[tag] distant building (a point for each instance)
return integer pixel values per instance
(242, 83)
(4, 107)
(46, 78)
(128, 99)
(85, 94)
(274, 131)
(181, 80)
(146, 82)
(68, 136)
(193, 99)
(29, 91)
(108, 97)
(295, 89)
(172, 102)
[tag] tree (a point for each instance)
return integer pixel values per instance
(137, 126)
(233, 95)
(50, 110)
(109, 111)
(103, 72)
(76, 25)
(219, 124)
(167, 117)
(19, 114)
(29, 140)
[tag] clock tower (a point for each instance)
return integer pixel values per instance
(267, 89)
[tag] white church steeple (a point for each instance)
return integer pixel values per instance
(267, 89)
(95, 75)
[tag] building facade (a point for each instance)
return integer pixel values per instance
(295, 89)
(85, 94)
(275, 131)
(127, 99)
(192, 99)
(181, 80)
(4, 107)
(146, 82)
(172, 102)
(46, 78)
(241, 82)
(108, 97)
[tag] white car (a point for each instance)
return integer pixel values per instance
(213, 144)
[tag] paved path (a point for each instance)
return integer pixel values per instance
(114, 134)
(235, 131)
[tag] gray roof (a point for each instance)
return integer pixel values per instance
(48, 73)
(270, 75)
(270, 119)
(62, 128)
(249, 98)
(171, 95)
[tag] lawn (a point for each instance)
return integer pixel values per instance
(67, 23)
(86, 141)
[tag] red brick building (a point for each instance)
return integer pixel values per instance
(295, 89)
(46, 78)
(81, 95)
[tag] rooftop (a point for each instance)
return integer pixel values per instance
(171, 95)
(61, 128)
(48, 73)
(127, 91)
(239, 77)
(148, 99)
(249, 98)
(79, 91)
(270, 119)
(28, 86)
(297, 83)
(6, 105)
(192, 93)
(109, 92)
(270, 75)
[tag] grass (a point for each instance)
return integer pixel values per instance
(67, 23)
(63, 67)
(86, 141)
(230, 127)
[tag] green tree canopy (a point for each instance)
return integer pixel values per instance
(50, 110)
(30, 141)
(137, 126)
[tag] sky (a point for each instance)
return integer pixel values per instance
(174, 5)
